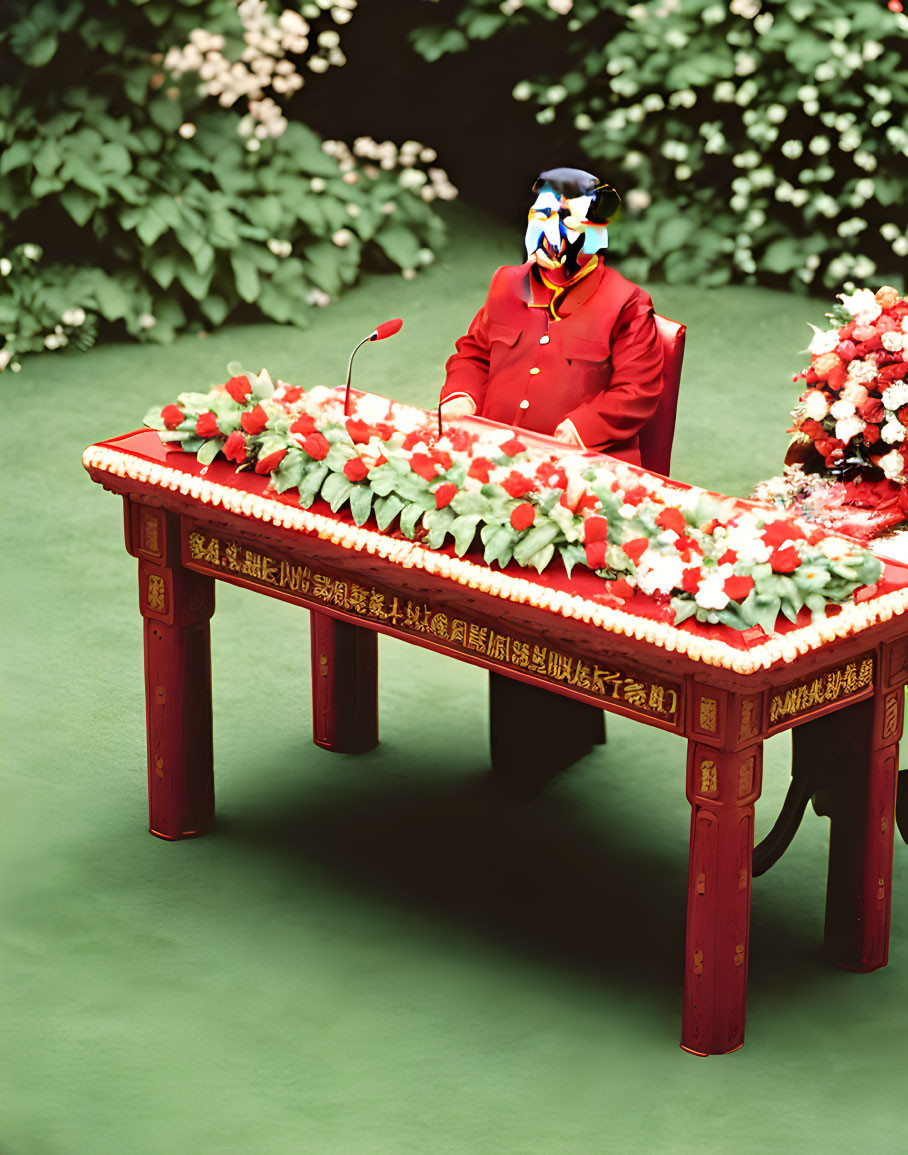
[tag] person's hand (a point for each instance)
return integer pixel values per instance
(458, 407)
(568, 434)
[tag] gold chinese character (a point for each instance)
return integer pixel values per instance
(232, 556)
(581, 677)
(833, 685)
(520, 653)
(269, 569)
(865, 677)
(377, 605)
(559, 666)
(252, 564)
(438, 625)
(499, 648)
(634, 692)
(708, 707)
(709, 777)
(150, 541)
(477, 637)
(415, 617)
(196, 545)
(604, 679)
(537, 659)
(358, 598)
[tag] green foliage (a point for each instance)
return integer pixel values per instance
(761, 140)
(144, 210)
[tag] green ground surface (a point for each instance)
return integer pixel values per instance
(370, 955)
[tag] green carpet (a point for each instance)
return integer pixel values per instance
(371, 955)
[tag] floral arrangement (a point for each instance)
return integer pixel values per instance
(688, 552)
(854, 412)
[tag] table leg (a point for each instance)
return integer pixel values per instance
(344, 685)
(177, 605)
(722, 787)
(535, 734)
(856, 752)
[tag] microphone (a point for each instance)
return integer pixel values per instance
(385, 329)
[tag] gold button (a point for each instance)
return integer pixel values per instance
(533, 372)
(544, 340)
(524, 404)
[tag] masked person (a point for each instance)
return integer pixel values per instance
(563, 345)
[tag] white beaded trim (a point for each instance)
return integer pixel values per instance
(410, 555)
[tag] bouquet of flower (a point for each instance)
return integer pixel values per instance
(686, 551)
(854, 413)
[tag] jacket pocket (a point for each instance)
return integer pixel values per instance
(506, 334)
(584, 349)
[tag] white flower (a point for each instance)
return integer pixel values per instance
(896, 395)
(187, 130)
(659, 573)
(893, 341)
(841, 409)
(893, 432)
(5, 356)
(6, 266)
(834, 547)
(147, 321)
(892, 465)
(711, 594)
(861, 372)
(862, 305)
(318, 297)
(562, 7)
(815, 405)
(823, 342)
(342, 238)
(73, 317)
(848, 427)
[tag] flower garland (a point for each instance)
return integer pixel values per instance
(691, 552)
(854, 413)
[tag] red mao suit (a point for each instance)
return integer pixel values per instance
(598, 362)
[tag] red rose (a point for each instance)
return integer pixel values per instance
(254, 421)
(738, 586)
(172, 416)
(523, 516)
(317, 446)
(422, 464)
(636, 495)
(672, 518)
(235, 447)
(359, 431)
(779, 531)
(442, 458)
(690, 579)
(269, 463)
(785, 560)
(871, 434)
(728, 558)
(479, 468)
(303, 425)
(356, 469)
(595, 554)
(239, 388)
(414, 438)
(872, 410)
(812, 429)
(595, 529)
(894, 372)
(445, 494)
(634, 549)
(835, 378)
(291, 394)
(513, 447)
(587, 501)
(207, 425)
(551, 476)
(460, 440)
(516, 485)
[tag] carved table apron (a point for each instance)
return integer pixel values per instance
(844, 699)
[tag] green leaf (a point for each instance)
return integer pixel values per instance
(79, 204)
(386, 508)
(400, 245)
(47, 158)
(534, 540)
(209, 450)
(463, 530)
(361, 503)
(150, 226)
(438, 522)
(410, 514)
(247, 276)
(16, 155)
(312, 481)
(336, 490)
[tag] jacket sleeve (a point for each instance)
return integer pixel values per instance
(467, 370)
(621, 410)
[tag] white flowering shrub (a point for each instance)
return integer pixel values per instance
(757, 140)
(150, 182)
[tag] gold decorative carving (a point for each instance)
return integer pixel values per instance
(156, 593)
(708, 711)
(709, 777)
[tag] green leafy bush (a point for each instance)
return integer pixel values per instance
(761, 140)
(129, 197)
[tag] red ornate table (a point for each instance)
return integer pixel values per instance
(840, 686)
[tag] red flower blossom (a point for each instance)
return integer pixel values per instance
(360, 431)
(239, 388)
(595, 529)
(172, 416)
(895, 372)
(291, 394)
(479, 468)
(304, 425)
(621, 588)
(461, 441)
(317, 446)
(422, 464)
(445, 494)
(785, 560)
(414, 438)
(254, 421)
(235, 447)
(595, 554)
(356, 469)
(690, 579)
(270, 462)
(738, 586)
(812, 429)
(634, 549)
(523, 516)
(513, 447)
(385, 432)
(728, 558)
(551, 476)
(871, 434)
(672, 518)
(207, 425)
(636, 495)
(516, 485)
(779, 531)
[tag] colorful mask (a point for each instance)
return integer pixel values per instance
(569, 217)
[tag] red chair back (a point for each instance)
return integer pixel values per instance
(656, 436)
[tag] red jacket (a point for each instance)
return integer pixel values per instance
(599, 363)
